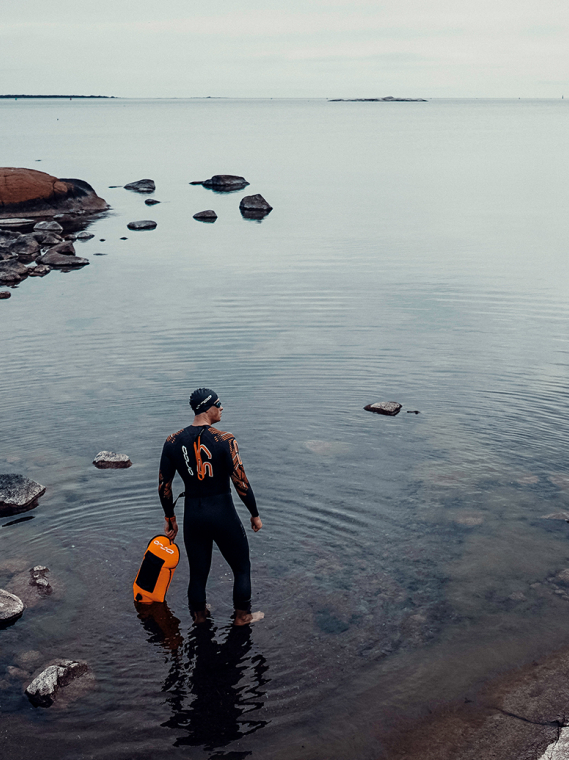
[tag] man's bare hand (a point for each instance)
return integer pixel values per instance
(256, 524)
(171, 529)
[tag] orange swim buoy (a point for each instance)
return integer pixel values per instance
(156, 571)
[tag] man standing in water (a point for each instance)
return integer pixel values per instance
(206, 458)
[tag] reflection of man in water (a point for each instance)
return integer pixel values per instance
(203, 681)
(206, 458)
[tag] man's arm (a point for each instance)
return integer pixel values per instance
(241, 483)
(165, 478)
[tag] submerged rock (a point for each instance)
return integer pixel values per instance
(55, 259)
(40, 270)
(108, 460)
(27, 191)
(556, 516)
(141, 186)
(151, 201)
(390, 408)
(254, 207)
(5, 294)
(38, 579)
(11, 607)
(143, 224)
(42, 691)
(48, 227)
(206, 216)
(18, 491)
(224, 183)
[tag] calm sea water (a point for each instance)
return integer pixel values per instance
(417, 252)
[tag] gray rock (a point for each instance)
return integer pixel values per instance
(144, 224)
(12, 271)
(26, 245)
(225, 183)
(85, 235)
(5, 294)
(55, 259)
(40, 270)
(254, 207)
(18, 491)
(141, 186)
(206, 216)
(43, 690)
(108, 460)
(390, 408)
(47, 238)
(48, 227)
(38, 579)
(151, 201)
(556, 516)
(7, 237)
(65, 247)
(6, 254)
(71, 237)
(11, 607)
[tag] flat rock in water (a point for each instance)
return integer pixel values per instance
(43, 689)
(141, 186)
(55, 259)
(48, 227)
(16, 224)
(254, 207)
(143, 224)
(108, 460)
(85, 235)
(390, 408)
(5, 294)
(11, 607)
(206, 216)
(151, 201)
(225, 183)
(18, 491)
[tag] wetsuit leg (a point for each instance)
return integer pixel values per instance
(199, 544)
(232, 542)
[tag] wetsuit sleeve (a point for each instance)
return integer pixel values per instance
(165, 478)
(242, 485)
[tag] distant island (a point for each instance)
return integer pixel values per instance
(388, 99)
(67, 97)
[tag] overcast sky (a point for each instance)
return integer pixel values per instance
(297, 48)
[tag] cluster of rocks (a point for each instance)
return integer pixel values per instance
(251, 206)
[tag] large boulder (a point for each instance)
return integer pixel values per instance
(225, 183)
(42, 691)
(143, 224)
(54, 259)
(27, 191)
(254, 207)
(18, 492)
(11, 608)
(141, 186)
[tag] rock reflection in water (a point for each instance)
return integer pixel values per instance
(211, 686)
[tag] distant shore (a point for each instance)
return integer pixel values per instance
(70, 97)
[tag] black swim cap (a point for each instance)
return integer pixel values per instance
(201, 400)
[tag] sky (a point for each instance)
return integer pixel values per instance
(273, 48)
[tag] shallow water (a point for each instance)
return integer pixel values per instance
(417, 253)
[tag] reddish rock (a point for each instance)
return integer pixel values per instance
(27, 191)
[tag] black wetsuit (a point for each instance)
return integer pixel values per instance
(206, 458)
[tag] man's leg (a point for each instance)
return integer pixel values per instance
(234, 547)
(198, 547)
